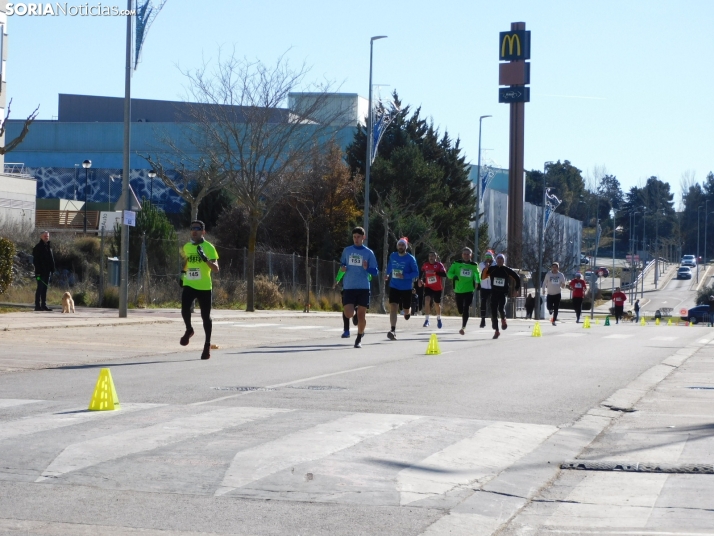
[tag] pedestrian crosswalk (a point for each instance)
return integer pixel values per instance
(258, 452)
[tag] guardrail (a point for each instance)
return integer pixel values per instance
(643, 273)
(66, 219)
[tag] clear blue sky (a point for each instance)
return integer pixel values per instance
(622, 84)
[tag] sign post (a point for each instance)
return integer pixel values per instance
(514, 47)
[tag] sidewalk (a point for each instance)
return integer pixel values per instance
(651, 471)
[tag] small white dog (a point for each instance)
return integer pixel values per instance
(67, 303)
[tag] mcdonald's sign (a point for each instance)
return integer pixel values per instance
(514, 45)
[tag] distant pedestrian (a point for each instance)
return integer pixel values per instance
(578, 287)
(44, 260)
(618, 299)
(553, 282)
(530, 305)
(637, 310)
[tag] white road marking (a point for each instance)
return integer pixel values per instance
(10, 402)
(114, 446)
(314, 443)
(618, 336)
(282, 385)
(52, 421)
(479, 457)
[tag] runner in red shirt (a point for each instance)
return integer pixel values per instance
(578, 287)
(619, 298)
(431, 274)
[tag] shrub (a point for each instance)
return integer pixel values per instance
(703, 295)
(7, 254)
(267, 292)
(111, 298)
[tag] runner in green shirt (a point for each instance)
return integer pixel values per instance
(465, 274)
(201, 259)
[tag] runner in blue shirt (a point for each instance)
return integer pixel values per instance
(401, 272)
(358, 262)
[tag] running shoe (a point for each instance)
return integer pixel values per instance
(186, 337)
(552, 321)
(483, 322)
(496, 334)
(355, 320)
(392, 336)
(438, 323)
(358, 343)
(426, 324)
(346, 334)
(407, 317)
(504, 325)
(206, 352)
(462, 332)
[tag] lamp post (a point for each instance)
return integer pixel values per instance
(698, 219)
(706, 214)
(368, 162)
(86, 165)
(541, 232)
(614, 228)
(478, 189)
(152, 174)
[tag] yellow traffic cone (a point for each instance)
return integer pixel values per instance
(642, 322)
(105, 396)
(536, 330)
(656, 321)
(586, 324)
(669, 322)
(433, 348)
(597, 321)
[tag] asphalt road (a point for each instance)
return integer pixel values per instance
(288, 429)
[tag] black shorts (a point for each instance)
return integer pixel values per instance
(433, 294)
(403, 298)
(358, 297)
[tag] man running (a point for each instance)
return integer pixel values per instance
(578, 288)
(485, 286)
(618, 299)
(358, 262)
(431, 273)
(401, 271)
(500, 290)
(201, 260)
(466, 276)
(553, 282)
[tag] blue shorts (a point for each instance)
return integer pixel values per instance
(356, 296)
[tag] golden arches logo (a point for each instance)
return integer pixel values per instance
(511, 39)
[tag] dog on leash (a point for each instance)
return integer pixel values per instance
(67, 303)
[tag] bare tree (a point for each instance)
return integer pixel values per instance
(262, 148)
(25, 129)
(555, 247)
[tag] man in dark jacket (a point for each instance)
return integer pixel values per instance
(44, 261)
(500, 290)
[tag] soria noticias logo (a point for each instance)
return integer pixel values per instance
(57, 9)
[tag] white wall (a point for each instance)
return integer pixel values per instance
(17, 199)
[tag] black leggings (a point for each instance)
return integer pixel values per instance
(578, 306)
(485, 294)
(41, 291)
(553, 303)
(498, 306)
(204, 302)
(463, 304)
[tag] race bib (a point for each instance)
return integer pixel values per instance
(465, 272)
(578, 285)
(193, 274)
(499, 281)
(396, 274)
(431, 279)
(555, 280)
(355, 260)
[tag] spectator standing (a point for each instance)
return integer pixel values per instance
(44, 260)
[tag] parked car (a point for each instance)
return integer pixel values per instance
(584, 259)
(684, 272)
(588, 275)
(689, 260)
(603, 272)
(700, 313)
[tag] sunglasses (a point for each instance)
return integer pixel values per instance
(196, 228)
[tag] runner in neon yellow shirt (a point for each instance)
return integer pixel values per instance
(201, 259)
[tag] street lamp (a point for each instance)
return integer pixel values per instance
(368, 162)
(86, 165)
(478, 189)
(698, 219)
(152, 174)
(541, 232)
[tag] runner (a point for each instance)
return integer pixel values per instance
(431, 273)
(578, 288)
(401, 271)
(345, 320)
(619, 298)
(466, 276)
(553, 282)
(485, 286)
(201, 259)
(358, 262)
(500, 285)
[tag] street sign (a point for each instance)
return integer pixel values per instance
(514, 94)
(129, 218)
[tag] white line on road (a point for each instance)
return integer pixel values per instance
(282, 385)
(114, 446)
(479, 457)
(314, 443)
(10, 402)
(51, 421)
